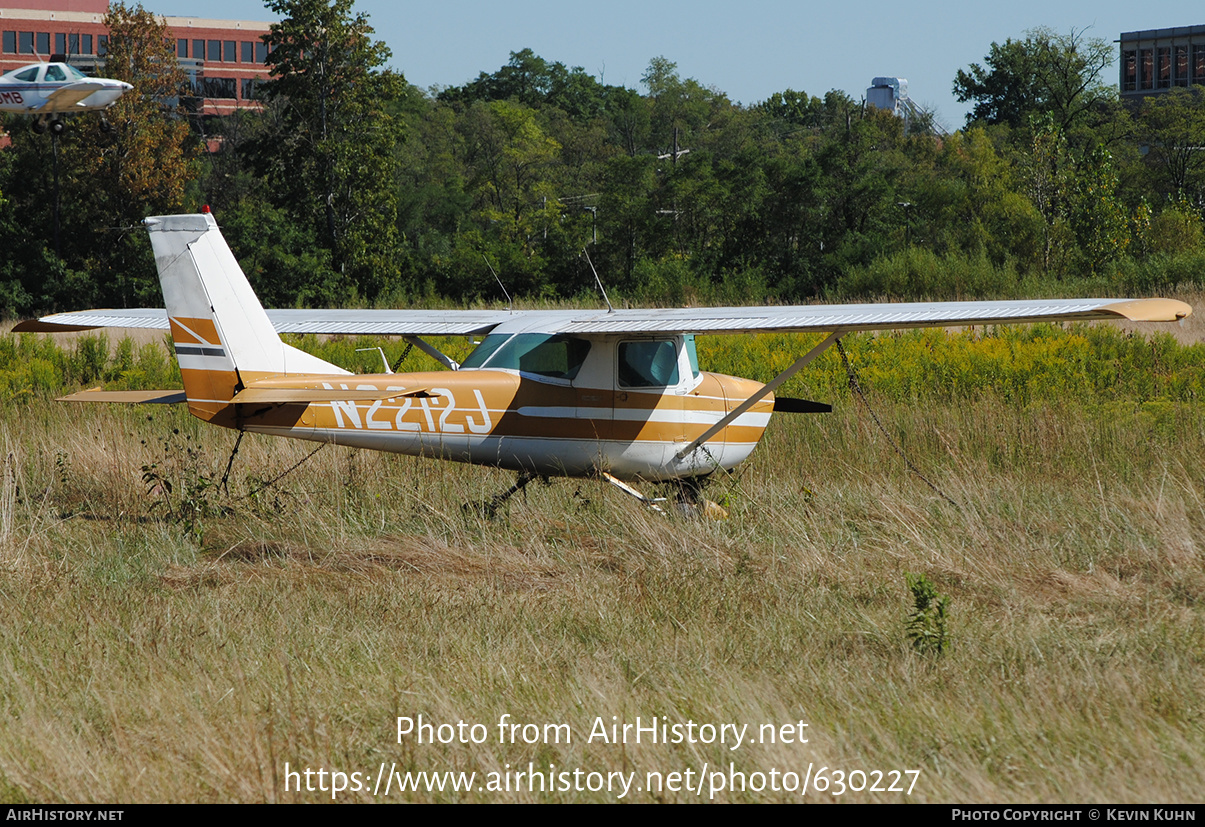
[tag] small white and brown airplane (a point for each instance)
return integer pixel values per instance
(612, 393)
(50, 90)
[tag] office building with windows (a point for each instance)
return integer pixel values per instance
(224, 59)
(1156, 60)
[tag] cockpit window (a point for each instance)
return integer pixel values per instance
(648, 364)
(556, 356)
(54, 72)
(74, 74)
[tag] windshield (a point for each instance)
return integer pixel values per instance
(484, 351)
(556, 356)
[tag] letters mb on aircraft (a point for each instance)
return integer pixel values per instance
(611, 393)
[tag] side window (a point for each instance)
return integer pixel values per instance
(648, 364)
(55, 73)
(29, 75)
(555, 356)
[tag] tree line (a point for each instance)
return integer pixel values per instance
(351, 186)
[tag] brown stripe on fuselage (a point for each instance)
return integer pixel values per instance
(512, 407)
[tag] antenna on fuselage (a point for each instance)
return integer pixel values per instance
(510, 305)
(598, 281)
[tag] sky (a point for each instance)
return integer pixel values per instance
(748, 50)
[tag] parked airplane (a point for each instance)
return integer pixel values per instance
(617, 393)
(50, 90)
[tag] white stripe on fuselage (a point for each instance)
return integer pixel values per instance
(671, 415)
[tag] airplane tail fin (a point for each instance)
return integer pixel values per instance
(223, 338)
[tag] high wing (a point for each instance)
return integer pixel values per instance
(332, 322)
(70, 96)
(797, 318)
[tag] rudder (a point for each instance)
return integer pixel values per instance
(223, 338)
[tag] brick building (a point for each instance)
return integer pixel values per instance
(223, 58)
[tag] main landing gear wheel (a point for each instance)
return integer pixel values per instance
(38, 126)
(57, 127)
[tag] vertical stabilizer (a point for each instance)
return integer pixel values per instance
(222, 335)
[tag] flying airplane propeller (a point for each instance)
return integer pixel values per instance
(614, 393)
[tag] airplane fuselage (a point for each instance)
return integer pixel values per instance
(54, 88)
(505, 419)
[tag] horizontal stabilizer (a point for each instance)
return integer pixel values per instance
(302, 396)
(127, 397)
(785, 404)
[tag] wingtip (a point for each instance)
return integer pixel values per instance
(1150, 310)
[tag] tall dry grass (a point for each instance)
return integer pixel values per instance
(148, 658)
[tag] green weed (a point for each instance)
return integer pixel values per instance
(926, 626)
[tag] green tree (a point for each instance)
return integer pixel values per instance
(795, 108)
(533, 81)
(331, 157)
(1100, 221)
(1172, 128)
(1046, 72)
(1085, 224)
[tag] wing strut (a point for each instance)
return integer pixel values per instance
(766, 389)
(434, 352)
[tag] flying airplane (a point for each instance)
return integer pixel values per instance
(50, 90)
(613, 393)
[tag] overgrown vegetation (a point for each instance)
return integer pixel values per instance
(147, 659)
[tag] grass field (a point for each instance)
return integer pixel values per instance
(185, 645)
